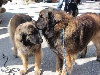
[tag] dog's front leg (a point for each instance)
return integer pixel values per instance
(15, 51)
(70, 60)
(24, 59)
(38, 55)
(59, 64)
(97, 49)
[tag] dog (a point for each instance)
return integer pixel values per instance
(78, 32)
(27, 40)
(14, 22)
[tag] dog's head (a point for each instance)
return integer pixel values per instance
(30, 34)
(48, 18)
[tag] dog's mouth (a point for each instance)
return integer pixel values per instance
(30, 40)
(34, 40)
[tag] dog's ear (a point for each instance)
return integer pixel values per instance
(57, 18)
(23, 39)
(54, 18)
(51, 21)
(50, 15)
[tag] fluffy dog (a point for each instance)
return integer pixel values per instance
(27, 40)
(78, 32)
(14, 22)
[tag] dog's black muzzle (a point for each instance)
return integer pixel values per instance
(40, 26)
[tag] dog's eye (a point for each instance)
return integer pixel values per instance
(34, 32)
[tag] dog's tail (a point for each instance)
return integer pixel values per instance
(11, 31)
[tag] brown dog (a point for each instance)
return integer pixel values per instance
(78, 32)
(27, 40)
(14, 22)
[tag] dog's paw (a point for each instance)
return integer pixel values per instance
(57, 73)
(63, 72)
(23, 72)
(15, 53)
(15, 56)
(37, 71)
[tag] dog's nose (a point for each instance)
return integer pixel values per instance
(38, 26)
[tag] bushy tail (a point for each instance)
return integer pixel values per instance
(10, 31)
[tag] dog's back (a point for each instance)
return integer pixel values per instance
(15, 21)
(95, 16)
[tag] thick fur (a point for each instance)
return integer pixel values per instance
(14, 22)
(26, 39)
(78, 32)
